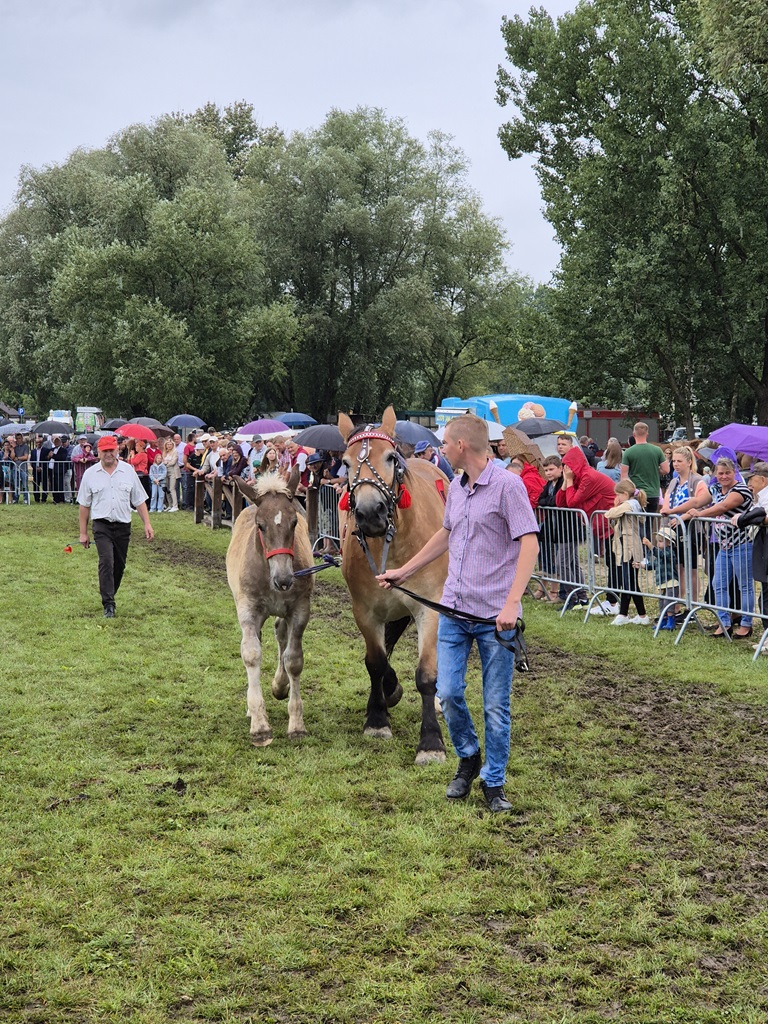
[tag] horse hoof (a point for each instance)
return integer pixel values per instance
(430, 757)
(261, 739)
(298, 734)
(385, 733)
(280, 690)
(394, 697)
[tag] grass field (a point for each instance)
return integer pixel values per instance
(155, 867)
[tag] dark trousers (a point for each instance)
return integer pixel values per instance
(111, 540)
(188, 483)
(39, 473)
(629, 581)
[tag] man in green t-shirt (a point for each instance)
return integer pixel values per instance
(643, 463)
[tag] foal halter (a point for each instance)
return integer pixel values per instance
(272, 551)
(375, 480)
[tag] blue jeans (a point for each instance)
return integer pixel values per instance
(735, 561)
(454, 642)
(158, 498)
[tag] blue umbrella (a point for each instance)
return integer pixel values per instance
(185, 420)
(296, 420)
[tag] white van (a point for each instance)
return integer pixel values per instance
(61, 416)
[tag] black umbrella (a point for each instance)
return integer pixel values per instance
(185, 420)
(411, 433)
(324, 435)
(537, 426)
(155, 425)
(114, 424)
(4, 422)
(53, 427)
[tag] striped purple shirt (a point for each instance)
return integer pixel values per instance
(486, 523)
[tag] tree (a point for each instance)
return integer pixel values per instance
(387, 255)
(651, 173)
(127, 275)
(736, 34)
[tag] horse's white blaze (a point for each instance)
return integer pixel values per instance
(278, 518)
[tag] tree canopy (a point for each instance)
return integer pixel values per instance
(652, 172)
(203, 262)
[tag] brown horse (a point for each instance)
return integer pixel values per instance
(395, 507)
(269, 543)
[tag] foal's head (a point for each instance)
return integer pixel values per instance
(276, 519)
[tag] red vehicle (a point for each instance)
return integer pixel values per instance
(600, 424)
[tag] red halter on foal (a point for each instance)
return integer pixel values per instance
(274, 551)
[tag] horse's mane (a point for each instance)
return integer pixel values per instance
(272, 483)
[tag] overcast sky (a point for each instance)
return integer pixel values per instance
(74, 72)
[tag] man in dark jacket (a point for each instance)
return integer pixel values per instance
(39, 457)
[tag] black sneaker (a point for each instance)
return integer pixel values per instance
(461, 783)
(109, 611)
(495, 798)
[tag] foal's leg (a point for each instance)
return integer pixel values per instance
(250, 651)
(293, 660)
(281, 683)
(431, 746)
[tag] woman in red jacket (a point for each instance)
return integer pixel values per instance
(528, 471)
(592, 491)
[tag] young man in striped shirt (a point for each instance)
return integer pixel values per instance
(490, 533)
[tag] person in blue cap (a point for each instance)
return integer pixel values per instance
(424, 450)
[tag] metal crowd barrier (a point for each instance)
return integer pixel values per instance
(653, 564)
(722, 580)
(327, 517)
(14, 481)
(562, 570)
(686, 568)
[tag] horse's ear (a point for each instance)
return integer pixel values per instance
(293, 480)
(388, 421)
(247, 490)
(346, 426)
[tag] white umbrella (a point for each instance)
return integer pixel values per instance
(495, 431)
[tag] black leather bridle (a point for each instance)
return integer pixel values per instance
(387, 491)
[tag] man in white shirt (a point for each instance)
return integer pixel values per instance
(106, 494)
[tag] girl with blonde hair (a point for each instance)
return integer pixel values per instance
(171, 462)
(625, 517)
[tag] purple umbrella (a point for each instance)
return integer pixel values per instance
(264, 427)
(743, 438)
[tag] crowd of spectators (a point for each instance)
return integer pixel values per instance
(38, 467)
(729, 491)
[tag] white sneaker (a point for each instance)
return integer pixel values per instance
(621, 620)
(603, 608)
(640, 620)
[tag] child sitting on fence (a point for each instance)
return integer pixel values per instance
(629, 504)
(663, 560)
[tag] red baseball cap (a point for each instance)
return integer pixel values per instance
(107, 443)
